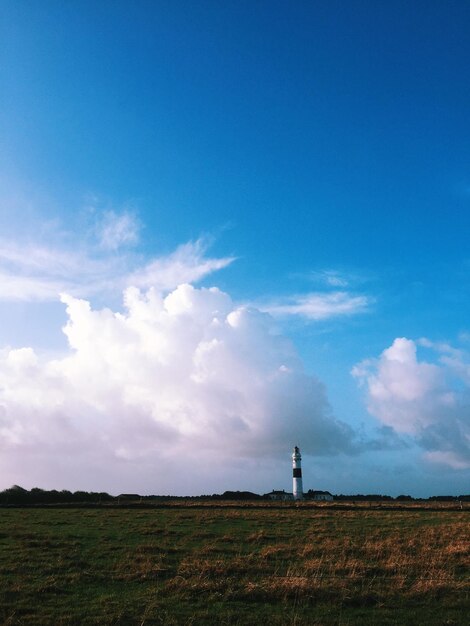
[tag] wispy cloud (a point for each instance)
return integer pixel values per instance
(31, 272)
(339, 278)
(28, 289)
(37, 272)
(319, 306)
(33, 258)
(331, 278)
(187, 264)
(115, 230)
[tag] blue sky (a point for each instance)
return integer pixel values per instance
(318, 152)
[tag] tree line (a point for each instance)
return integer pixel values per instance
(16, 495)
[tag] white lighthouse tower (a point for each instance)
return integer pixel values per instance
(297, 475)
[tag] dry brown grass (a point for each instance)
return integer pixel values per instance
(360, 568)
(221, 565)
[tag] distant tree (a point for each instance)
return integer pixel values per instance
(363, 498)
(19, 496)
(444, 498)
(15, 495)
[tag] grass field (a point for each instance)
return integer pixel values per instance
(215, 564)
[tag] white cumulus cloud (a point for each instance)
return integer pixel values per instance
(428, 401)
(185, 380)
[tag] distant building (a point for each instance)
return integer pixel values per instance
(319, 495)
(279, 495)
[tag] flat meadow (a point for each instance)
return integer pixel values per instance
(235, 564)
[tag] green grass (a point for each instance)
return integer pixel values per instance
(234, 565)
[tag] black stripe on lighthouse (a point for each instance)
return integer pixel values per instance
(297, 472)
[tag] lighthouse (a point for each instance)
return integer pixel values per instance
(297, 475)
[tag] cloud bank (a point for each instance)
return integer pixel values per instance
(187, 379)
(154, 396)
(428, 401)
